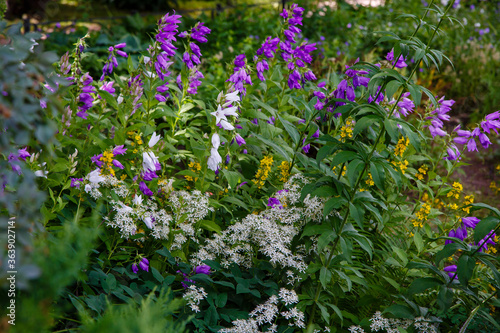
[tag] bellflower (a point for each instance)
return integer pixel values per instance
(215, 159)
(470, 222)
(240, 76)
(144, 189)
(239, 140)
(144, 264)
(400, 63)
(154, 139)
(488, 239)
(273, 202)
(453, 153)
(135, 269)
(119, 150)
(202, 269)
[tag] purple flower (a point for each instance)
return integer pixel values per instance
(144, 264)
(400, 63)
(470, 222)
(273, 202)
(199, 31)
(241, 184)
(96, 159)
(108, 86)
(135, 269)
(43, 103)
(23, 153)
(293, 80)
(119, 150)
(316, 134)
(453, 153)
(306, 148)
(120, 46)
(203, 269)
(117, 164)
(239, 140)
(271, 120)
(75, 182)
(488, 239)
(144, 188)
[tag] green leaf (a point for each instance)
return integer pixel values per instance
(343, 156)
(314, 229)
(232, 177)
(291, 130)
(333, 203)
(484, 227)
(210, 226)
(276, 147)
(465, 268)
(447, 251)
(422, 284)
(186, 107)
(357, 214)
(400, 311)
(325, 276)
(157, 275)
(110, 99)
(419, 243)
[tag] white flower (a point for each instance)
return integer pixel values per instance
(233, 97)
(214, 159)
(120, 99)
(215, 141)
(95, 176)
(221, 116)
(148, 221)
(154, 139)
(88, 188)
(137, 200)
(41, 173)
(149, 161)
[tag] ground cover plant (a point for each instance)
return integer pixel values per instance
(259, 196)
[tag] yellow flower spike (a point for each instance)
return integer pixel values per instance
(370, 181)
(284, 168)
(400, 148)
(263, 171)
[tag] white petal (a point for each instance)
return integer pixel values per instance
(154, 139)
(215, 141)
(233, 97)
(95, 176)
(227, 126)
(88, 188)
(214, 159)
(137, 200)
(230, 111)
(148, 221)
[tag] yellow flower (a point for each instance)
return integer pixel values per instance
(456, 190)
(370, 181)
(468, 200)
(401, 146)
(346, 130)
(422, 171)
(422, 215)
(284, 168)
(263, 172)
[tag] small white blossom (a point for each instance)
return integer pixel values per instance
(154, 139)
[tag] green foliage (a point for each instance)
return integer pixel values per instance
(339, 208)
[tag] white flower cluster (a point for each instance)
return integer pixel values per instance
(267, 313)
(194, 296)
(270, 232)
(183, 208)
(390, 325)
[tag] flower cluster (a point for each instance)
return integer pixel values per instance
(263, 172)
(241, 75)
(491, 122)
(267, 314)
(112, 62)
